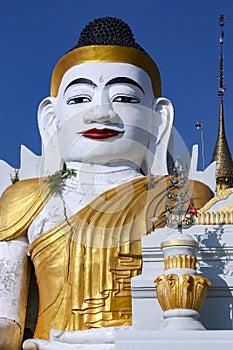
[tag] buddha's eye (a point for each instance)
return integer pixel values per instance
(125, 99)
(78, 99)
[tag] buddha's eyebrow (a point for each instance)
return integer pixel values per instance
(124, 80)
(81, 81)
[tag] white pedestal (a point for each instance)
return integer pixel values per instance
(182, 340)
(147, 340)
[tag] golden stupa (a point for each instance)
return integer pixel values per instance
(222, 154)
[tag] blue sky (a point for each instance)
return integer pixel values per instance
(181, 36)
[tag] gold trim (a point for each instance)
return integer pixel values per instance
(106, 53)
(215, 218)
(181, 292)
(216, 199)
(179, 242)
(180, 262)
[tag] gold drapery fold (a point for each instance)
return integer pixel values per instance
(84, 266)
(20, 204)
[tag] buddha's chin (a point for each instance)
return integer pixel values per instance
(103, 159)
(86, 150)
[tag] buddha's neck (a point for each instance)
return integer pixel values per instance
(104, 175)
(91, 180)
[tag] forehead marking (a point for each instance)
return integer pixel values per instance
(101, 79)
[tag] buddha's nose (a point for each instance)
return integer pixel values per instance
(102, 113)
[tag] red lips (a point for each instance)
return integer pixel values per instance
(100, 133)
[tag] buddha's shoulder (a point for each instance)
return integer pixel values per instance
(201, 189)
(23, 187)
(22, 190)
(19, 205)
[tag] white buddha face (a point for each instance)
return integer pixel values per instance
(103, 114)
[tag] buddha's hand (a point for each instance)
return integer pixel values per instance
(30, 344)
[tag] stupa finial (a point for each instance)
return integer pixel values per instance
(221, 87)
(222, 154)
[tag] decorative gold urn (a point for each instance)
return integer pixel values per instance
(181, 293)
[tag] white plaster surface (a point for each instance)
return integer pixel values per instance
(126, 339)
(6, 172)
(182, 340)
(13, 292)
(91, 339)
(13, 280)
(37, 344)
(207, 176)
(182, 319)
(29, 167)
(29, 164)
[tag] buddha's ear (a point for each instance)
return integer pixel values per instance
(165, 111)
(47, 122)
(46, 119)
(163, 120)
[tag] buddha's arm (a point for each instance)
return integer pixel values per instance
(14, 282)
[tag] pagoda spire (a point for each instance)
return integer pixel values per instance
(222, 154)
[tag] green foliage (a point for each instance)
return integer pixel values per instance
(150, 184)
(57, 180)
(15, 177)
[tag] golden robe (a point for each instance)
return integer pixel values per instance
(83, 266)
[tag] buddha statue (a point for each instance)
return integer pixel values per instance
(105, 130)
